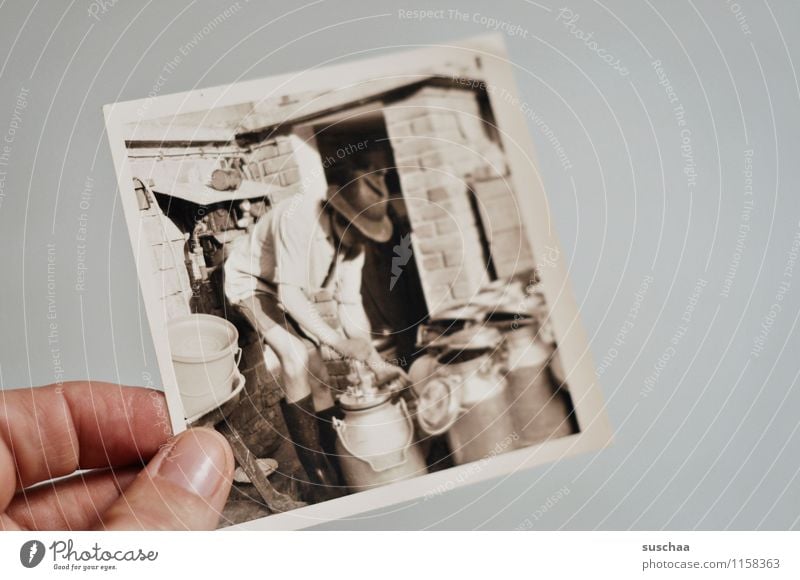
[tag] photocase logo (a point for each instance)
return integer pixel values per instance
(31, 553)
(402, 254)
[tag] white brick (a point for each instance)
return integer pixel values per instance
(509, 243)
(284, 146)
(492, 188)
(441, 244)
(411, 146)
(289, 177)
(433, 263)
(502, 221)
(453, 258)
(463, 290)
(411, 179)
(446, 226)
(425, 230)
(442, 276)
(403, 112)
(434, 123)
(438, 194)
(433, 211)
(277, 164)
(399, 129)
(410, 163)
(266, 150)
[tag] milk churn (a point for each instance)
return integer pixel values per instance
(375, 439)
(539, 409)
(432, 337)
(467, 399)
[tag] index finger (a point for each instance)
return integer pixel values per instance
(52, 431)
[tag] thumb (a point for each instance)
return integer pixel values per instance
(184, 487)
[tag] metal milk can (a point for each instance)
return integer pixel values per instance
(467, 398)
(539, 409)
(375, 440)
(432, 338)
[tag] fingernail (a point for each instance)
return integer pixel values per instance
(196, 462)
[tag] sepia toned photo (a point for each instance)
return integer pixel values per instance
(350, 273)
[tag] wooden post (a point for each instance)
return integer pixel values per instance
(276, 501)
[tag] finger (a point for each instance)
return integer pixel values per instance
(8, 483)
(8, 525)
(76, 503)
(52, 431)
(184, 487)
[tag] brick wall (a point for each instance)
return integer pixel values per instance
(272, 162)
(503, 225)
(441, 148)
(165, 243)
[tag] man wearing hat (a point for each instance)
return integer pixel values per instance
(301, 247)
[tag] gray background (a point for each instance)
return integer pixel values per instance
(711, 444)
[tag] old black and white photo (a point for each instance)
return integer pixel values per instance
(344, 272)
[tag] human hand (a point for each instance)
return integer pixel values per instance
(355, 348)
(50, 432)
(387, 373)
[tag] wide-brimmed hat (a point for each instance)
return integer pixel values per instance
(364, 203)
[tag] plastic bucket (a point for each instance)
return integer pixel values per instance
(205, 356)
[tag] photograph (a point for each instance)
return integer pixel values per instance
(342, 274)
(380, 269)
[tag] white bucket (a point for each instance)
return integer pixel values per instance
(205, 355)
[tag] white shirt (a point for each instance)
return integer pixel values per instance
(292, 244)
